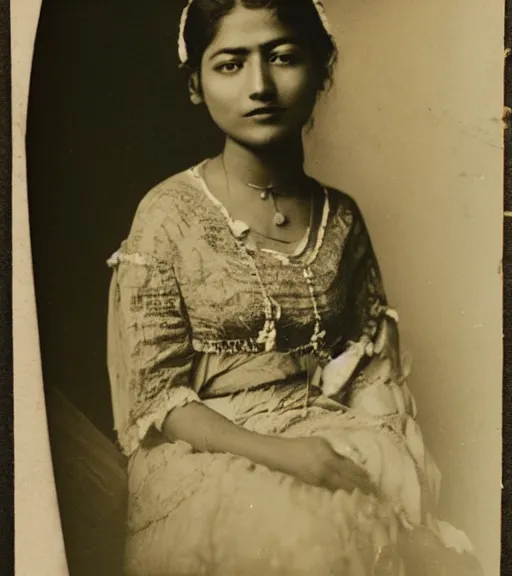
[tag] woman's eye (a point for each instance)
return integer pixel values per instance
(285, 59)
(229, 67)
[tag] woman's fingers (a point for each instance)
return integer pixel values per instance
(348, 483)
(347, 474)
(342, 463)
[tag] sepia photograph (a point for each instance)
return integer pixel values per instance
(259, 257)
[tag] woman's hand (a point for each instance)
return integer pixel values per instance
(314, 461)
(311, 460)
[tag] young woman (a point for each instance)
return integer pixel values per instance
(258, 388)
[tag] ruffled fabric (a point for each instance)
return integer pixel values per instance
(236, 518)
(194, 513)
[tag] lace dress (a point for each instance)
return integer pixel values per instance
(294, 344)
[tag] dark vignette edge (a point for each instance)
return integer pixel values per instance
(6, 371)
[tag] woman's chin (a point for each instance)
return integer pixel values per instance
(266, 137)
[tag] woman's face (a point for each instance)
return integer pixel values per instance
(258, 79)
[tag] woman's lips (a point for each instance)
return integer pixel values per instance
(265, 112)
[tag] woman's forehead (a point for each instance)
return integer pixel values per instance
(245, 28)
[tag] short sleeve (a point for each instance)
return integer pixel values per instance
(149, 342)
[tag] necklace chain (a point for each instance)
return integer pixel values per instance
(261, 188)
(279, 219)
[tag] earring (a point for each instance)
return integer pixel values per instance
(195, 98)
(194, 88)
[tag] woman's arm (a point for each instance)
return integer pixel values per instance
(208, 431)
(311, 460)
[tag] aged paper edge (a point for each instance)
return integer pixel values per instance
(38, 542)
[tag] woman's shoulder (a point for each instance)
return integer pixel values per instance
(170, 195)
(164, 213)
(342, 205)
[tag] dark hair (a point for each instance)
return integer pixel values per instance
(301, 15)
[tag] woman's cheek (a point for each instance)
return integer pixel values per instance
(222, 101)
(222, 116)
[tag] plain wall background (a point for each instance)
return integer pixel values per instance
(412, 129)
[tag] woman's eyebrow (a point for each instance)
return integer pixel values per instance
(243, 51)
(230, 51)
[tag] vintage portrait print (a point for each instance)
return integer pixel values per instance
(257, 287)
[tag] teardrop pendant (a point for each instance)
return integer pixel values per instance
(279, 219)
(264, 194)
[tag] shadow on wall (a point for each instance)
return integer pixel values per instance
(109, 118)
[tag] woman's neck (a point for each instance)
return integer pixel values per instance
(278, 167)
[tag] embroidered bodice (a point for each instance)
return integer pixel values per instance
(186, 282)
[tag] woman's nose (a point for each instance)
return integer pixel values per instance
(262, 85)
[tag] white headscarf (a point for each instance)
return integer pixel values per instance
(182, 46)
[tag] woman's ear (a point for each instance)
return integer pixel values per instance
(194, 88)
